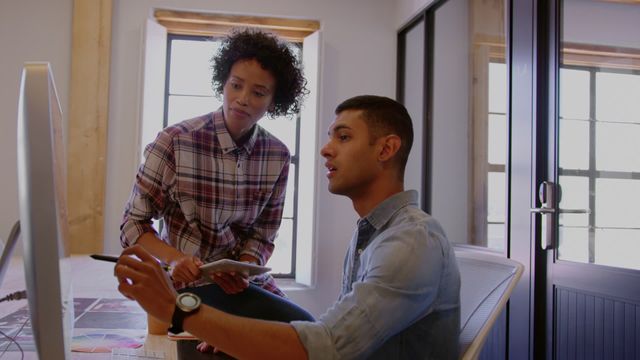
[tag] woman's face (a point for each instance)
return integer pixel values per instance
(247, 95)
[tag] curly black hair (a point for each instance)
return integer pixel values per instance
(274, 55)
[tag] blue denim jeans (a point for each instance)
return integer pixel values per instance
(253, 302)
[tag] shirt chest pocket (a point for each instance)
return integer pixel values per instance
(256, 203)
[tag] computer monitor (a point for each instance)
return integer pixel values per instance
(43, 215)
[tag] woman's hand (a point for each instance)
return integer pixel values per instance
(234, 282)
(186, 269)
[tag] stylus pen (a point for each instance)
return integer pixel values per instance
(114, 259)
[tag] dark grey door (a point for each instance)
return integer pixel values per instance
(587, 215)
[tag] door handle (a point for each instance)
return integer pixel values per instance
(547, 211)
(575, 211)
(543, 210)
(548, 196)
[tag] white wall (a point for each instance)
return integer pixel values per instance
(405, 10)
(30, 30)
(358, 56)
(589, 22)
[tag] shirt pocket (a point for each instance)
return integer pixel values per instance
(257, 202)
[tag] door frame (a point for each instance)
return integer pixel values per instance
(527, 139)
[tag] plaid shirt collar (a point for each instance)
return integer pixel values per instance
(226, 142)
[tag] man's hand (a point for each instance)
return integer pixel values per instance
(186, 269)
(144, 281)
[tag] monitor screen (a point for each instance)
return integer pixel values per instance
(43, 215)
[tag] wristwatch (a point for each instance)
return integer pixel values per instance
(187, 304)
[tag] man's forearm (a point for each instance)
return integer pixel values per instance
(159, 248)
(245, 338)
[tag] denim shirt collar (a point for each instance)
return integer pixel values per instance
(382, 213)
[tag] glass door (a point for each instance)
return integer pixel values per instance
(589, 203)
(452, 77)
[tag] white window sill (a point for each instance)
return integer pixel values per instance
(288, 285)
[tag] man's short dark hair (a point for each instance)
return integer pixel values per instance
(274, 55)
(384, 116)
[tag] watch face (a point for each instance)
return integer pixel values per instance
(188, 302)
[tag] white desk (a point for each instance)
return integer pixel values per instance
(91, 279)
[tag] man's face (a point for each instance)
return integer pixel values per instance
(351, 156)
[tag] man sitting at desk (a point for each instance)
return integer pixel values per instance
(400, 296)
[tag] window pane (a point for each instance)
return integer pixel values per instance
(495, 236)
(498, 87)
(574, 195)
(617, 97)
(190, 69)
(413, 97)
(280, 262)
(187, 107)
(573, 244)
(618, 247)
(496, 191)
(497, 139)
(618, 203)
(574, 94)
(618, 147)
(574, 144)
(469, 121)
(284, 128)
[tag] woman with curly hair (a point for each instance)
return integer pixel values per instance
(218, 180)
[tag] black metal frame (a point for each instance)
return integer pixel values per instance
(515, 335)
(425, 17)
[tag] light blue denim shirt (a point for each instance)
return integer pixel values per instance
(400, 295)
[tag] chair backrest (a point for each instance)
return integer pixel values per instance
(486, 283)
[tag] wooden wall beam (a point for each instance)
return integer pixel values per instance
(87, 123)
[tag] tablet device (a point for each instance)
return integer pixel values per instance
(228, 265)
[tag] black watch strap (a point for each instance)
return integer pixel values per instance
(187, 304)
(177, 320)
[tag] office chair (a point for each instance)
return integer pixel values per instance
(486, 284)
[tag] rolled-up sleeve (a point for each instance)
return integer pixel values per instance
(150, 190)
(398, 286)
(316, 339)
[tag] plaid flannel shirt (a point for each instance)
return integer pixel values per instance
(218, 200)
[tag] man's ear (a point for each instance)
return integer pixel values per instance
(390, 146)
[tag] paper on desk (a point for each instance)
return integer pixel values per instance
(181, 336)
(103, 342)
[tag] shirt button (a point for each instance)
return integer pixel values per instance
(359, 251)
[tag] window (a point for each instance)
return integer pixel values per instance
(178, 46)
(188, 94)
(470, 135)
(496, 156)
(599, 165)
